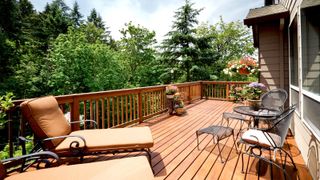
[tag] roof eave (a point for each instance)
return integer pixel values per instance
(256, 20)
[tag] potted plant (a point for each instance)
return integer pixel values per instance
(236, 93)
(171, 90)
(178, 104)
(252, 94)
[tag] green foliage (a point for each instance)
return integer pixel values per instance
(5, 104)
(54, 52)
(4, 154)
(76, 16)
(183, 49)
(81, 62)
(231, 41)
(96, 19)
(138, 55)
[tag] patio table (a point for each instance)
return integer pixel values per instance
(261, 113)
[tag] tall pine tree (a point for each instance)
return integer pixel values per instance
(96, 19)
(182, 50)
(76, 16)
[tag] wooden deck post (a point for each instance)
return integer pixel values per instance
(227, 91)
(201, 89)
(140, 107)
(75, 114)
(10, 134)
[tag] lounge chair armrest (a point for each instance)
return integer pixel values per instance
(86, 120)
(24, 139)
(43, 155)
(66, 136)
(36, 155)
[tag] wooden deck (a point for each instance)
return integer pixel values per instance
(175, 154)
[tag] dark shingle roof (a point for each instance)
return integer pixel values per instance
(264, 13)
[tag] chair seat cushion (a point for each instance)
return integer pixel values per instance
(135, 168)
(263, 139)
(110, 139)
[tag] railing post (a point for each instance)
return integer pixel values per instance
(140, 107)
(227, 91)
(75, 114)
(201, 89)
(10, 134)
(189, 95)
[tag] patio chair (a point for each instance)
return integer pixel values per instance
(53, 133)
(274, 99)
(271, 139)
(136, 168)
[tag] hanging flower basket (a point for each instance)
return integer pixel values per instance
(244, 66)
(244, 71)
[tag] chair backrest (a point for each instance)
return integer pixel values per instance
(46, 119)
(274, 99)
(282, 123)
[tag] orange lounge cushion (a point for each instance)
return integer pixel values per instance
(46, 118)
(133, 168)
(111, 139)
(267, 140)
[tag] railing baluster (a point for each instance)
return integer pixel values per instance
(102, 113)
(91, 112)
(108, 111)
(84, 112)
(122, 113)
(127, 109)
(97, 119)
(113, 118)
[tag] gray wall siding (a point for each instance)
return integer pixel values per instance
(273, 56)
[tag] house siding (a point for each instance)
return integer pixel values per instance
(272, 54)
(273, 44)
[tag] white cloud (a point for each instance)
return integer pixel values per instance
(157, 15)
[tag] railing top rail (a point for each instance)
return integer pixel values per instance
(226, 82)
(92, 95)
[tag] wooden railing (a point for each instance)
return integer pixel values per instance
(220, 90)
(119, 108)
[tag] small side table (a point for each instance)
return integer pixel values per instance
(218, 133)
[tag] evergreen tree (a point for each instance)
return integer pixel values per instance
(96, 19)
(51, 22)
(76, 16)
(182, 49)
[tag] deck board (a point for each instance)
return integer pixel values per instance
(175, 154)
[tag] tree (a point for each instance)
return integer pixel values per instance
(53, 21)
(182, 50)
(79, 64)
(76, 16)
(231, 41)
(96, 19)
(138, 53)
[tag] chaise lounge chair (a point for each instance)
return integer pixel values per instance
(134, 168)
(53, 131)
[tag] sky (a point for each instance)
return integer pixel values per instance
(157, 15)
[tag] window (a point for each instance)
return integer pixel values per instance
(310, 37)
(295, 98)
(294, 52)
